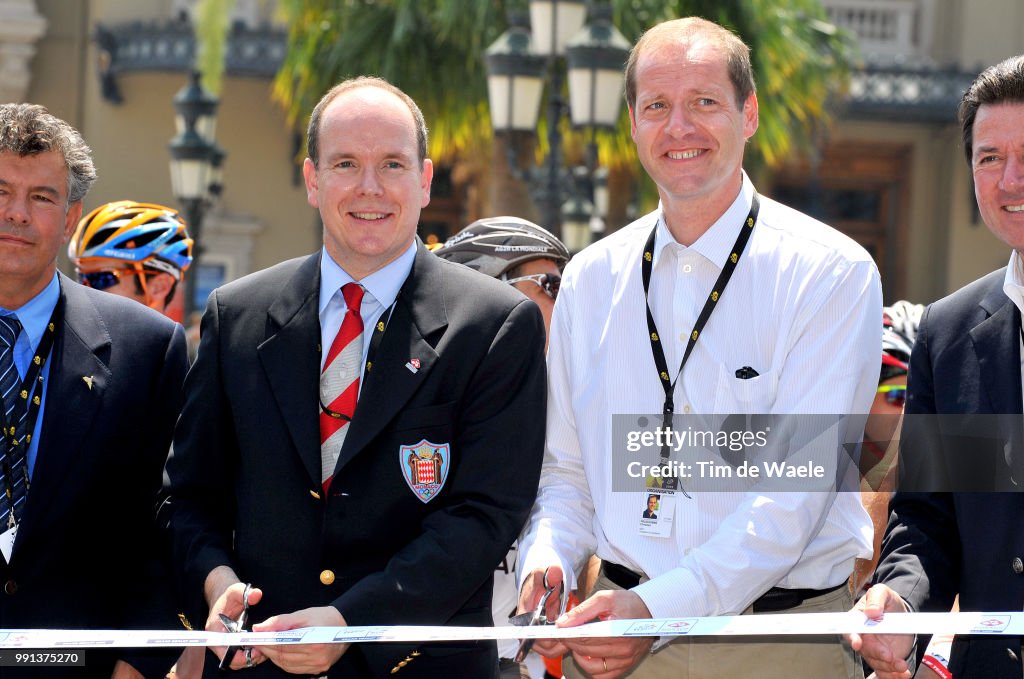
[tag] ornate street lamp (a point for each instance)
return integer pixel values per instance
(554, 24)
(515, 78)
(593, 56)
(196, 162)
(196, 109)
(596, 56)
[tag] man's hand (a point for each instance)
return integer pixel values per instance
(529, 597)
(303, 658)
(224, 595)
(608, 657)
(886, 653)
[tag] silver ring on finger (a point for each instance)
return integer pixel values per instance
(249, 662)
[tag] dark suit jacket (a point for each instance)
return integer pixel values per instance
(966, 361)
(84, 555)
(244, 479)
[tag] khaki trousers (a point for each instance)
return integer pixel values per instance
(767, 657)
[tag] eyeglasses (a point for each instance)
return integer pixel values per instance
(895, 394)
(101, 280)
(549, 282)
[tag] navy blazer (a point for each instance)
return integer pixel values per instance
(85, 552)
(243, 484)
(966, 361)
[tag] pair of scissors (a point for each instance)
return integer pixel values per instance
(537, 617)
(239, 625)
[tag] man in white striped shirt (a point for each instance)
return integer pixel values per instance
(796, 332)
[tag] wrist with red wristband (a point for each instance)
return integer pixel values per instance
(936, 656)
(937, 666)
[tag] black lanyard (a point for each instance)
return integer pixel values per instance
(646, 264)
(30, 393)
(378, 333)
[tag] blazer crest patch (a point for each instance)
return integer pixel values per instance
(425, 467)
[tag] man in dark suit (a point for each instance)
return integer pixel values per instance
(92, 387)
(432, 402)
(966, 362)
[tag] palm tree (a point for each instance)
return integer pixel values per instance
(433, 49)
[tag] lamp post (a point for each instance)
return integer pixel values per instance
(519, 65)
(196, 161)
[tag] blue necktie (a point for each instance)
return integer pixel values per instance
(15, 414)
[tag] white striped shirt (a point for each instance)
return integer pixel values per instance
(803, 308)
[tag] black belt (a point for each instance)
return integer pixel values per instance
(775, 599)
(779, 599)
(620, 575)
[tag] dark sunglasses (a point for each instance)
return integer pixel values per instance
(895, 394)
(101, 280)
(549, 282)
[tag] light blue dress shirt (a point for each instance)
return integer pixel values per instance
(33, 316)
(381, 287)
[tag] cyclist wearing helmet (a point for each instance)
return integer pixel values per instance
(899, 329)
(136, 250)
(878, 459)
(530, 259)
(516, 251)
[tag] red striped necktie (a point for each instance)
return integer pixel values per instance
(339, 383)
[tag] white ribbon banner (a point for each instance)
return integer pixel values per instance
(1011, 623)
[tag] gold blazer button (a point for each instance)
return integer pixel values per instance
(327, 577)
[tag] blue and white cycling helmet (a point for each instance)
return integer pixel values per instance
(135, 234)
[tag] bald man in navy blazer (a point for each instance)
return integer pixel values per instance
(452, 374)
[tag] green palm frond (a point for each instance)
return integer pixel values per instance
(433, 49)
(211, 29)
(429, 48)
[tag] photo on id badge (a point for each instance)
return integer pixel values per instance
(657, 508)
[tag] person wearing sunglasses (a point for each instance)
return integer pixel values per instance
(899, 330)
(139, 251)
(135, 250)
(517, 251)
(878, 456)
(530, 259)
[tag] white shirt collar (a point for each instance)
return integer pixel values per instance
(1013, 284)
(716, 243)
